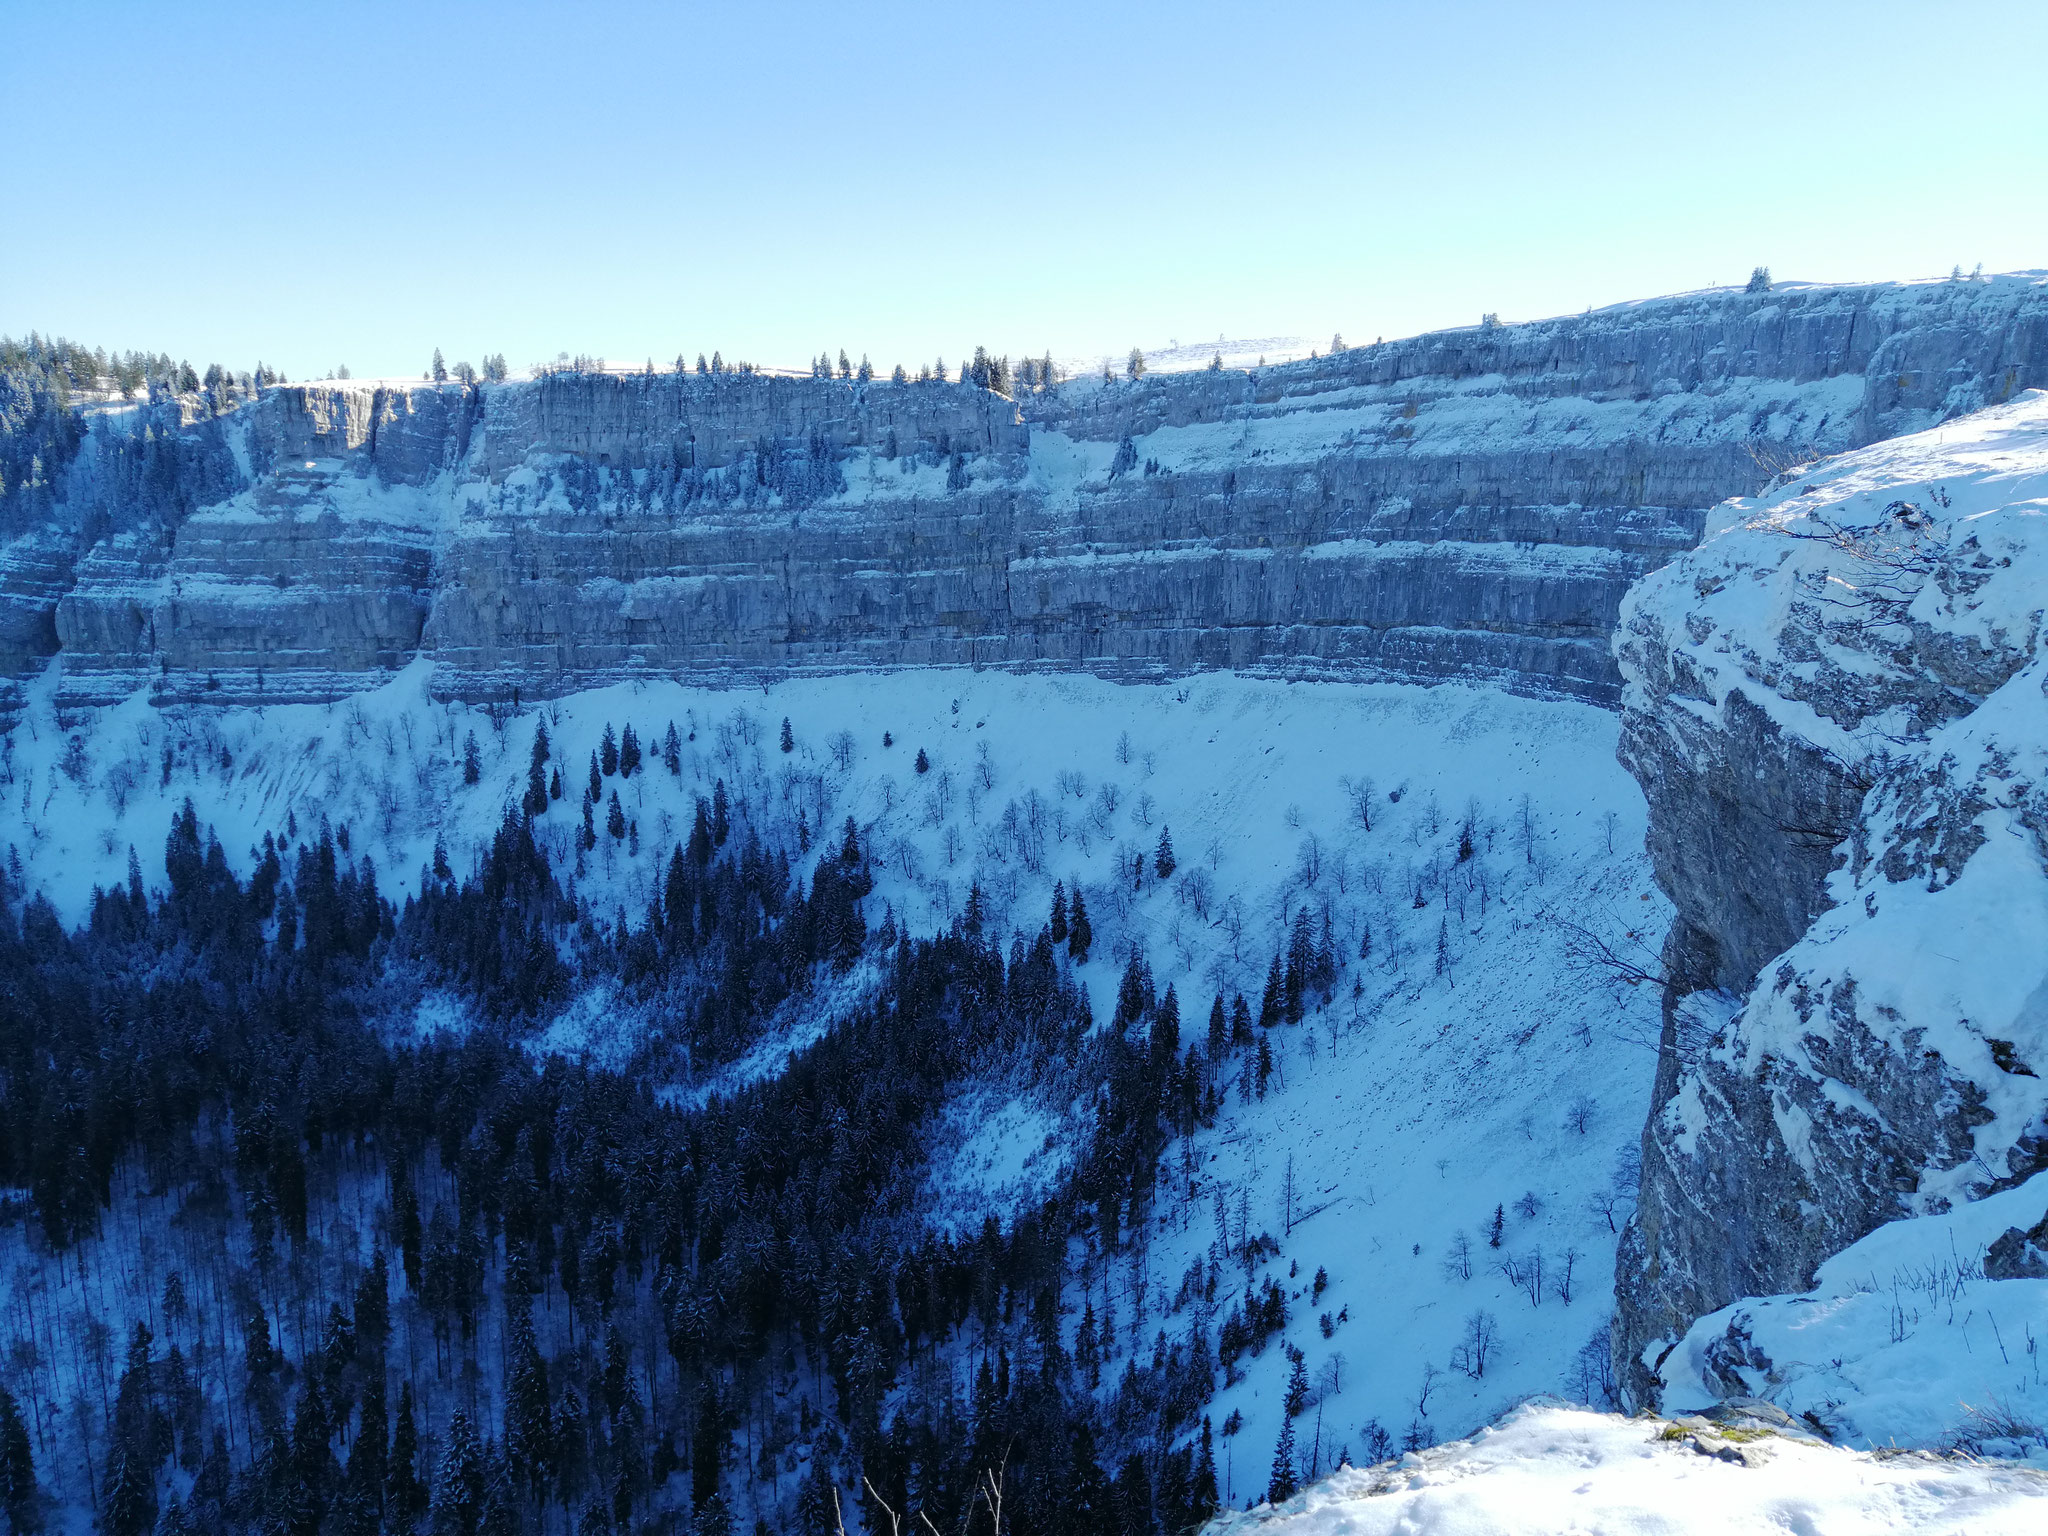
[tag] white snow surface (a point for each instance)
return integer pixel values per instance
(1551, 1469)
(1901, 1341)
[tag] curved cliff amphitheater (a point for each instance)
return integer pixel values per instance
(1470, 503)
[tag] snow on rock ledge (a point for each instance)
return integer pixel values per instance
(1835, 709)
(1926, 1332)
(1553, 1469)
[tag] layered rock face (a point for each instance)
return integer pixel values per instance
(1835, 708)
(1467, 504)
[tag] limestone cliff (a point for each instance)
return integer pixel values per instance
(1835, 708)
(1471, 504)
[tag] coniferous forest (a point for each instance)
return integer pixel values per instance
(294, 1270)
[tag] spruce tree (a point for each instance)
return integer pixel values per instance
(536, 800)
(1283, 1484)
(472, 762)
(459, 1489)
(1205, 1497)
(1162, 857)
(1297, 1378)
(629, 752)
(1080, 932)
(788, 741)
(18, 1494)
(608, 751)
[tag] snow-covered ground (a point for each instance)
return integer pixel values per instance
(1901, 1341)
(1548, 1468)
(1465, 1062)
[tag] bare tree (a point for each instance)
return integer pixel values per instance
(1458, 1257)
(1578, 1114)
(1482, 1333)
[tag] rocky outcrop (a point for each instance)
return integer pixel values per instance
(1468, 504)
(1835, 707)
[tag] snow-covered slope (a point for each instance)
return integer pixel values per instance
(1455, 841)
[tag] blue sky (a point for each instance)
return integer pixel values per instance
(360, 183)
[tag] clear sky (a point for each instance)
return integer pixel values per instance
(359, 183)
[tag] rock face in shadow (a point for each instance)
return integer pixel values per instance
(1835, 709)
(1470, 504)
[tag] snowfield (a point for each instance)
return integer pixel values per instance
(1548, 1468)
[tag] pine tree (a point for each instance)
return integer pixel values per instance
(1080, 932)
(1058, 922)
(1219, 1029)
(1162, 857)
(1297, 1386)
(405, 1496)
(817, 1504)
(923, 763)
(1283, 1484)
(472, 763)
(713, 1518)
(721, 814)
(1759, 281)
(529, 1420)
(459, 1489)
(608, 751)
(1134, 365)
(1273, 1002)
(1204, 1495)
(672, 752)
(373, 1302)
(629, 752)
(615, 818)
(595, 789)
(536, 799)
(18, 1493)
(440, 369)
(788, 741)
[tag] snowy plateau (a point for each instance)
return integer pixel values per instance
(546, 985)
